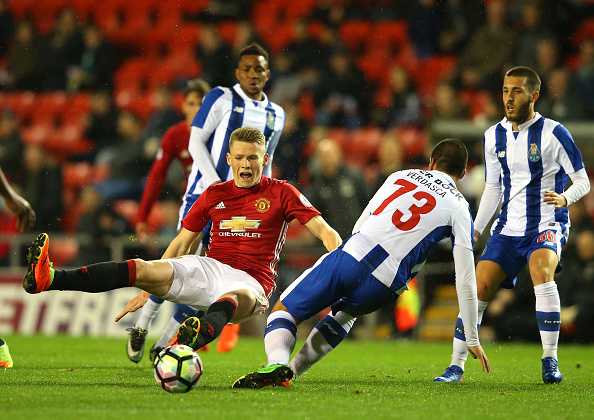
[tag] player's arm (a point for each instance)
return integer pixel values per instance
(270, 149)
(17, 205)
(324, 232)
(153, 186)
(488, 205)
(180, 245)
(580, 186)
(468, 302)
(201, 156)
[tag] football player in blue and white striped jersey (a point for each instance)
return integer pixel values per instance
(528, 160)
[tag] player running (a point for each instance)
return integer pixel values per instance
(232, 283)
(412, 211)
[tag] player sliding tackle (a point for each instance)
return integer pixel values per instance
(408, 215)
(250, 216)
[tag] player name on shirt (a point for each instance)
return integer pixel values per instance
(436, 185)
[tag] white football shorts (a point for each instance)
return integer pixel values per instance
(201, 281)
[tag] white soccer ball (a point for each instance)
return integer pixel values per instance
(178, 368)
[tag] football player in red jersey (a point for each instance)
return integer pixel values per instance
(250, 216)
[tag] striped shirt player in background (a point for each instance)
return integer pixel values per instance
(528, 159)
(222, 111)
(250, 216)
(174, 146)
(412, 211)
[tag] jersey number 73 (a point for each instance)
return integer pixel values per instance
(416, 211)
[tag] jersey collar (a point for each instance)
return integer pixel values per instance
(508, 125)
(246, 98)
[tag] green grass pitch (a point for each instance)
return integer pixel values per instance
(62, 378)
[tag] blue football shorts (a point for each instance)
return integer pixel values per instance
(340, 281)
(513, 252)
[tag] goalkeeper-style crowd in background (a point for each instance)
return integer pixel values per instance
(331, 76)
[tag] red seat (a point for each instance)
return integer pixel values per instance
(389, 35)
(413, 140)
(22, 103)
(354, 34)
(77, 175)
(362, 145)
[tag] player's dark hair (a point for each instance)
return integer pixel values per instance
(450, 156)
(248, 135)
(200, 86)
(532, 79)
(254, 49)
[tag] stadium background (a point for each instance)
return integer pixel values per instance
(155, 43)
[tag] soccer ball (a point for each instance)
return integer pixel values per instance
(178, 368)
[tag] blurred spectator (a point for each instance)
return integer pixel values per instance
(460, 19)
(491, 112)
(489, 49)
(338, 191)
(11, 147)
(101, 223)
(341, 96)
(389, 156)
(328, 43)
(246, 34)
(561, 103)
(531, 31)
(127, 161)
(60, 50)
(547, 60)
(42, 187)
(405, 107)
(216, 57)
(164, 116)
(97, 62)
(424, 28)
(286, 85)
(100, 124)
(24, 58)
(303, 51)
(448, 105)
(6, 27)
(288, 157)
(585, 76)
(576, 289)
(330, 13)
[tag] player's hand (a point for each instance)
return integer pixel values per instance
(23, 211)
(477, 352)
(558, 200)
(476, 235)
(143, 233)
(135, 304)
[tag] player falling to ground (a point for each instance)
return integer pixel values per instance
(250, 217)
(174, 145)
(410, 213)
(527, 158)
(224, 110)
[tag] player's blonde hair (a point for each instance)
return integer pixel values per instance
(248, 135)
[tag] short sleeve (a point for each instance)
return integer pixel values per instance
(198, 216)
(296, 205)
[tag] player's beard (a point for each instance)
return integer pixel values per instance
(521, 115)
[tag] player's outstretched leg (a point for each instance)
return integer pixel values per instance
(188, 332)
(550, 371)
(272, 375)
(452, 374)
(40, 272)
(5, 359)
(135, 344)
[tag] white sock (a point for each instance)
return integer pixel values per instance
(317, 345)
(548, 316)
(148, 313)
(280, 337)
(460, 353)
(169, 333)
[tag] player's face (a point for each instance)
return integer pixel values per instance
(191, 105)
(252, 73)
(247, 161)
(518, 100)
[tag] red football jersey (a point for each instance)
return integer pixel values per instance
(249, 225)
(174, 145)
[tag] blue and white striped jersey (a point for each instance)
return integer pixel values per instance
(526, 163)
(412, 211)
(222, 111)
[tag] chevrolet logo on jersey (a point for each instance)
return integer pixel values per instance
(239, 224)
